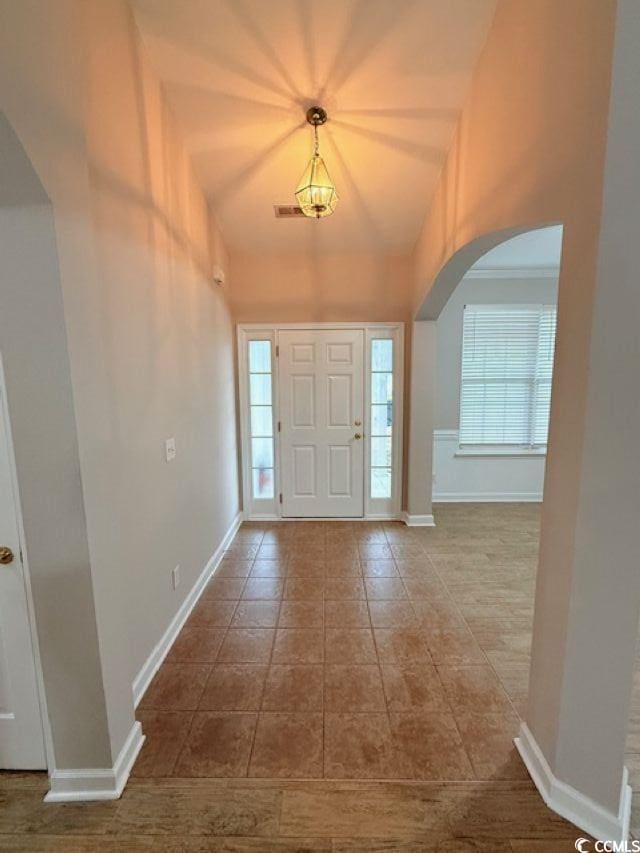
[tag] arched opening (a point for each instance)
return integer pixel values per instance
(464, 260)
(495, 337)
(490, 317)
(46, 599)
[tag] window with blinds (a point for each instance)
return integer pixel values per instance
(507, 365)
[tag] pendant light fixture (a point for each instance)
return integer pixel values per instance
(316, 193)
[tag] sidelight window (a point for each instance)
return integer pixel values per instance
(381, 460)
(261, 419)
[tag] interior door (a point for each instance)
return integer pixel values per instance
(21, 737)
(321, 381)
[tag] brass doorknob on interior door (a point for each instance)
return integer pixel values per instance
(6, 555)
(357, 435)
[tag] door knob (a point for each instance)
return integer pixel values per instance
(357, 435)
(6, 555)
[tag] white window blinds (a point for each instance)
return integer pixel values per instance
(507, 364)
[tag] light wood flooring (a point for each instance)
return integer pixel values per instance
(340, 686)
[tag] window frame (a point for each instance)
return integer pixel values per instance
(258, 508)
(469, 449)
(374, 508)
(385, 507)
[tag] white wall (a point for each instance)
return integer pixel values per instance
(586, 621)
(467, 477)
(33, 347)
(150, 338)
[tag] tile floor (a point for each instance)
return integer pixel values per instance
(392, 662)
(357, 650)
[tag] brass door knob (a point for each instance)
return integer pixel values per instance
(6, 555)
(357, 435)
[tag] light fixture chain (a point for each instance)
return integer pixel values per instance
(316, 193)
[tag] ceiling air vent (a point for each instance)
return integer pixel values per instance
(287, 211)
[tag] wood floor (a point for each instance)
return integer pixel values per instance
(350, 687)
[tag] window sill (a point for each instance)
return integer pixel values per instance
(499, 451)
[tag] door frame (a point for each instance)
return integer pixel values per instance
(271, 509)
(26, 577)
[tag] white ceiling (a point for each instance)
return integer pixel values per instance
(533, 249)
(391, 73)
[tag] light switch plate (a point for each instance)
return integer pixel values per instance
(170, 449)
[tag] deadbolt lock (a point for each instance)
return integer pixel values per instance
(6, 555)
(357, 423)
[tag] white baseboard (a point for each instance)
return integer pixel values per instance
(262, 516)
(382, 516)
(97, 783)
(568, 802)
(487, 497)
(417, 520)
(484, 477)
(153, 662)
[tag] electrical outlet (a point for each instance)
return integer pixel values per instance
(175, 577)
(170, 449)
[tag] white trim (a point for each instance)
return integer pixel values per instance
(446, 434)
(385, 507)
(363, 324)
(513, 272)
(270, 510)
(153, 662)
(496, 451)
(355, 518)
(261, 516)
(568, 802)
(47, 734)
(479, 450)
(380, 516)
(266, 507)
(97, 783)
(487, 497)
(417, 520)
(468, 477)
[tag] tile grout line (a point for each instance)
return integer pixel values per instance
(266, 677)
(212, 666)
(451, 712)
(462, 616)
(450, 598)
(394, 744)
(439, 677)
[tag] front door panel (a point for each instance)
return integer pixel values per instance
(321, 398)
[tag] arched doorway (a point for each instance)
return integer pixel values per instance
(498, 298)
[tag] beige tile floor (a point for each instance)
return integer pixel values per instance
(344, 650)
(340, 686)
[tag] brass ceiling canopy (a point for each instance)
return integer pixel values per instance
(316, 116)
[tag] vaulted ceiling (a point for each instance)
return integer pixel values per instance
(392, 75)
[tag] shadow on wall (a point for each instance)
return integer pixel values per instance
(248, 114)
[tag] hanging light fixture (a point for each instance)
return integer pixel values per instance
(316, 193)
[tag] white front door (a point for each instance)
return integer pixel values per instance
(321, 385)
(21, 737)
